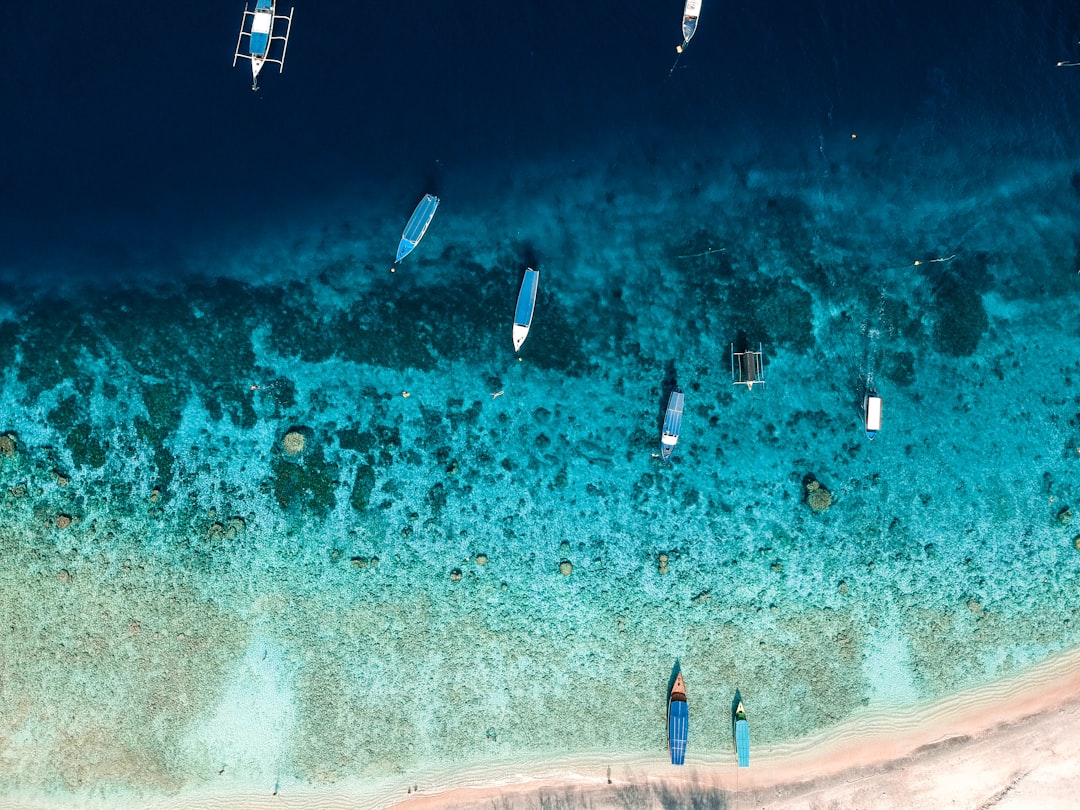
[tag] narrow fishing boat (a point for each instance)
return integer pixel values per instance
(417, 225)
(258, 27)
(526, 305)
(672, 424)
(747, 367)
(691, 12)
(678, 721)
(872, 412)
(742, 736)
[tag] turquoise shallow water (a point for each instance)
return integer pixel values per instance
(183, 595)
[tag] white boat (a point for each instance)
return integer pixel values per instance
(872, 412)
(691, 12)
(258, 27)
(672, 424)
(417, 225)
(526, 304)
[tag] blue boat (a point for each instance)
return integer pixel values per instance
(872, 412)
(678, 721)
(672, 424)
(526, 306)
(258, 27)
(417, 225)
(742, 736)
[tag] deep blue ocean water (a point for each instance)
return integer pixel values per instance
(147, 147)
(878, 193)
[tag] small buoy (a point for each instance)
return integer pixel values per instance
(678, 49)
(520, 359)
(405, 394)
(393, 269)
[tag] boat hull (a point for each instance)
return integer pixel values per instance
(742, 737)
(691, 12)
(672, 424)
(678, 722)
(417, 225)
(526, 306)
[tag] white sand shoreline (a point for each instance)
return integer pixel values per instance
(1009, 744)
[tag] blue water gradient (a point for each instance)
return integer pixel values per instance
(276, 516)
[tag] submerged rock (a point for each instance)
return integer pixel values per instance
(566, 568)
(817, 496)
(8, 445)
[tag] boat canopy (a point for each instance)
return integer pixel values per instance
(742, 742)
(873, 412)
(678, 730)
(261, 26)
(672, 424)
(526, 303)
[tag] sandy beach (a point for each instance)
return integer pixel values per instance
(1010, 745)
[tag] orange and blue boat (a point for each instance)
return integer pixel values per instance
(678, 721)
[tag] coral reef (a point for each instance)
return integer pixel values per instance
(817, 496)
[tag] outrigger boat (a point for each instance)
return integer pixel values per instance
(417, 225)
(691, 12)
(742, 736)
(678, 721)
(258, 27)
(747, 367)
(872, 412)
(526, 305)
(672, 424)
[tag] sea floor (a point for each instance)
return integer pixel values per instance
(470, 555)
